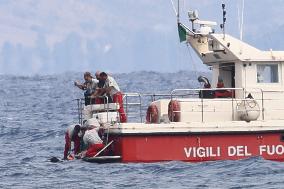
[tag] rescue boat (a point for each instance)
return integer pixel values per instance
(239, 114)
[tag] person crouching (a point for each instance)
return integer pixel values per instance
(92, 139)
(72, 134)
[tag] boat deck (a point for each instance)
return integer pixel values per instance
(197, 127)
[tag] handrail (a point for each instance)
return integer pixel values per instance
(149, 94)
(126, 95)
(202, 101)
(79, 110)
(179, 94)
(153, 98)
(262, 99)
(209, 89)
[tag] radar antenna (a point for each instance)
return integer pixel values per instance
(224, 20)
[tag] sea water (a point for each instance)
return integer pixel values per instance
(34, 114)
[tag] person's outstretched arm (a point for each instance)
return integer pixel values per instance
(79, 85)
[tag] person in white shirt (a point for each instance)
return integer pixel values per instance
(112, 89)
(91, 138)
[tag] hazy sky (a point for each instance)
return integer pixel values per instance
(55, 36)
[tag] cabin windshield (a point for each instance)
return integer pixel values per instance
(267, 73)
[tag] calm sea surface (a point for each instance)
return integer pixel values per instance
(35, 111)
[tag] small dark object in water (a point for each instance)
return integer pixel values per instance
(54, 160)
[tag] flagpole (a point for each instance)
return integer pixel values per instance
(178, 12)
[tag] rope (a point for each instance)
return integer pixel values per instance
(174, 8)
(191, 59)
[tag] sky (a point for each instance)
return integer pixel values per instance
(57, 36)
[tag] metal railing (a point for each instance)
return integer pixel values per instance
(81, 105)
(262, 98)
(143, 102)
(232, 90)
(136, 104)
(128, 103)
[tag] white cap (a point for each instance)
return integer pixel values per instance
(92, 123)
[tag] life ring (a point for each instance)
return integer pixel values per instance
(174, 111)
(152, 115)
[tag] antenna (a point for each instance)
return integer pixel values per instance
(173, 5)
(176, 10)
(222, 26)
(242, 20)
(193, 15)
(241, 24)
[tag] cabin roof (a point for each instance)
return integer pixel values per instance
(245, 52)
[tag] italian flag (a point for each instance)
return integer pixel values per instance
(181, 32)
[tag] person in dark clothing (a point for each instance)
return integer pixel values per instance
(89, 86)
(97, 95)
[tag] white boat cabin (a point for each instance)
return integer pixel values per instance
(252, 88)
(254, 78)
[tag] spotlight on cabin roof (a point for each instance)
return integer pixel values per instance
(193, 15)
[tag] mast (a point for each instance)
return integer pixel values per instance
(178, 12)
(242, 20)
(224, 21)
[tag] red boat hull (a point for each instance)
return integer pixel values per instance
(194, 147)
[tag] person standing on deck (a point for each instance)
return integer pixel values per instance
(101, 82)
(112, 89)
(96, 94)
(89, 86)
(72, 134)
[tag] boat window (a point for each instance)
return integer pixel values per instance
(267, 73)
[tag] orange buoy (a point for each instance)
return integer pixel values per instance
(174, 111)
(152, 115)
